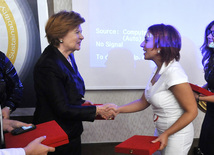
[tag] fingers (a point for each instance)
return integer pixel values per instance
(51, 149)
(110, 115)
(17, 124)
(7, 125)
(156, 140)
(163, 143)
(40, 139)
(101, 110)
(6, 113)
(111, 106)
(5, 116)
(36, 147)
(9, 129)
(107, 111)
(162, 146)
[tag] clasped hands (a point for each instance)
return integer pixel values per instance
(107, 111)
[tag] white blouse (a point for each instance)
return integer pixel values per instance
(12, 151)
(160, 97)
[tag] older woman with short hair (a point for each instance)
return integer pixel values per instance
(59, 86)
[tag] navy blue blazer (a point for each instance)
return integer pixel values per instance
(11, 88)
(60, 90)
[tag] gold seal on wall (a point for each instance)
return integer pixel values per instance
(11, 31)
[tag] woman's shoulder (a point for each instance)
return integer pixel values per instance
(175, 67)
(49, 54)
(176, 73)
(2, 55)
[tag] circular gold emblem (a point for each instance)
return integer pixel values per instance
(11, 31)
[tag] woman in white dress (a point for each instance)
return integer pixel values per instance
(168, 92)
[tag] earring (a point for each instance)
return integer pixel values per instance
(61, 41)
(158, 51)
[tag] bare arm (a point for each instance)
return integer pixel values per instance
(134, 106)
(205, 98)
(184, 95)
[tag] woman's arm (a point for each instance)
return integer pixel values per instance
(14, 89)
(134, 106)
(184, 95)
(205, 98)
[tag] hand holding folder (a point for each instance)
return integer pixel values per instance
(138, 145)
(55, 136)
(205, 92)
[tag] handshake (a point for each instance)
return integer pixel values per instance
(107, 111)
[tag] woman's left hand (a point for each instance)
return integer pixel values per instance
(163, 139)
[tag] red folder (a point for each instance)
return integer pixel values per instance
(201, 90)
(55, 136)
(138, 145)
(98, 117)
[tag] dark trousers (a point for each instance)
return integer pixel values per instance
(72, 148)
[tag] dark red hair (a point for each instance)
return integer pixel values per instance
(168, 39)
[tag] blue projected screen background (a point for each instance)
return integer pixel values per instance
(111, 56)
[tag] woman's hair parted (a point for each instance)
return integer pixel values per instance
(60, 23)
(168, 39)
(206, 51)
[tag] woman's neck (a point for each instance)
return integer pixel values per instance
(158, 64)
(64, 52)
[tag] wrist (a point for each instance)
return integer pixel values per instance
(8, 108)
(26, 150)
(97, 111)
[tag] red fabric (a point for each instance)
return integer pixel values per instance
(200, 90)
(138, 145)
(98, 117)
(55, 136)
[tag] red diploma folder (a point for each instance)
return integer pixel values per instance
(98, 117)
(55, 136)
(138, 145)
(200, 90)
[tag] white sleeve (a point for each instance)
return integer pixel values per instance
(12, 151)
(176, 76)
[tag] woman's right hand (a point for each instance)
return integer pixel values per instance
(36, 148)
(107, 111)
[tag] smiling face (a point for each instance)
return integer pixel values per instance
(148, 47)
(72, 40)
(210, 37)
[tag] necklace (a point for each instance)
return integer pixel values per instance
(69, 60)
